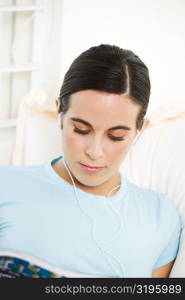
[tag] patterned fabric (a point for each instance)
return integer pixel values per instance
(13, 267)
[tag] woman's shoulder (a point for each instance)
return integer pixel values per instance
(8, 172)
(155, 203)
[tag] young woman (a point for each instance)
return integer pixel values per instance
(79, 212)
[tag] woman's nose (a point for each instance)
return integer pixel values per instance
(95, 149)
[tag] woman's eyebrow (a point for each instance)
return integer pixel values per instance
(89, 125)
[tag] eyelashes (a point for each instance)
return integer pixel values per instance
(83, 132)
(116, 138)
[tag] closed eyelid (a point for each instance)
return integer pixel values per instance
(116, 136)
(79, 130)
(117, 131)
(82, 128)
(119, 127)
(114, 133)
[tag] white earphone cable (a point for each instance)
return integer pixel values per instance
(93, 223)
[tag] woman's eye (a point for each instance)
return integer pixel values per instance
(114, 138)
(80, 131)
(118, 138)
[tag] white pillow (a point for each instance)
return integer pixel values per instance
(157, 161)
(38, 136)
(43, 139)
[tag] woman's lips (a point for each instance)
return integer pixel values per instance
(91, 170)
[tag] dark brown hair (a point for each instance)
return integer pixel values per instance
(111, 69)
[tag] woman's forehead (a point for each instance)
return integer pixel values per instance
(103, 106)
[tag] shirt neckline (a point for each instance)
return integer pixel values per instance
(60, 181)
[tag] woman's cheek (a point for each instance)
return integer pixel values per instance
(118, 152)
(74, 142)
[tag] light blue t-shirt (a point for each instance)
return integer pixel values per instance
(126, 235)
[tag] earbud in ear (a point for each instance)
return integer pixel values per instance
(59, 120)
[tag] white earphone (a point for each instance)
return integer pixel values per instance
(136, 138)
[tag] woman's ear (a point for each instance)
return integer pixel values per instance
(60, 116)
(140, 131)
(57, 103)
(145, 124)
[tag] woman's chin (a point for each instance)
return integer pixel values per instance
(90, 182)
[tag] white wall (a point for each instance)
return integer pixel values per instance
(154, 29)
(29, 59)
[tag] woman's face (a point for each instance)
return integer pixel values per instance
(98, 130)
